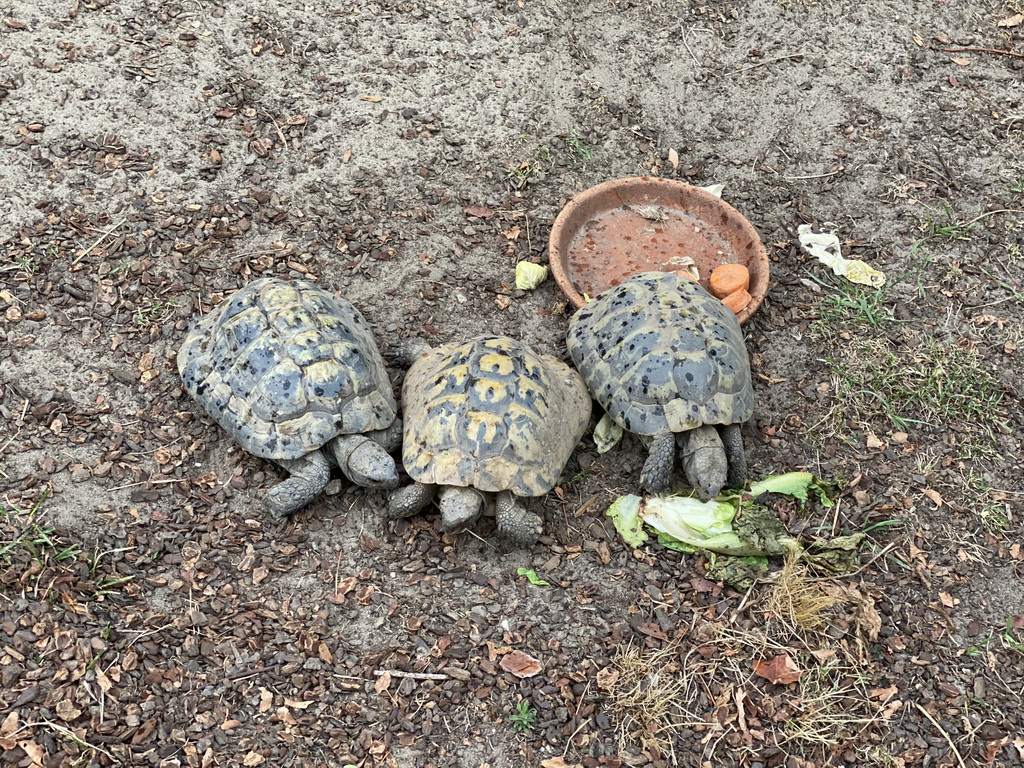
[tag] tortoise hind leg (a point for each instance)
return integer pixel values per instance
(704, 460)
(309, 476)
(656, 475)
(732, 439)
(515, 522)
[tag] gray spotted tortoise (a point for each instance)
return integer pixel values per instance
(293, 373)
(488, 417)
(667, 361)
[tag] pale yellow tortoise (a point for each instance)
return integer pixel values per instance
(488, 417)
(294, 375)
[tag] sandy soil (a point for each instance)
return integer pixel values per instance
(157, 156)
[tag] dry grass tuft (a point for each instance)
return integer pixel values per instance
(826, 712)
(645, 691)
(701, 694)
(796, 600)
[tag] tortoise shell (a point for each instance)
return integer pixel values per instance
(493, 415)
(284, 367)
(659, 353)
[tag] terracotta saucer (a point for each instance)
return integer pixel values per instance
(642, 224)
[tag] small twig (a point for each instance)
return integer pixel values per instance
(984, 50)
(990, 213)
(243, 673)
(147, 482)
(945, 735)
(413, 675)
(280, 133)
(816, 175)
(688, 50)
(92, 247)
(766, 61)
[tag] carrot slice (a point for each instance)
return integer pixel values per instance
(728, 279)
(737, 301)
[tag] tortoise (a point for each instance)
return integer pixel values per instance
(667, 361)
(294, 375)
(488, 416)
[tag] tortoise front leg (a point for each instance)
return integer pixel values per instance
(515, 522)
(732, 439)
(308, 478)
(406, 502)
(656, 475)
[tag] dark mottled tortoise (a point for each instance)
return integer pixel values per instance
(667, 361)
(288, 370)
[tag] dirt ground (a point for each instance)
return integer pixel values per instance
(157, 156)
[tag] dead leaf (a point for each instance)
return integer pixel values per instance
(103, 680)
(325, 654)
(346, 155)
(252, 759)
(382, 683)
(779, 669)
(373, 99)
(868, 618)
(1011, 21)
(673, 158)
(607, 678)
(741, 715)
(946, 599)
(873, 442)
(480, 211)
(933, 495)
(67, 711)
(652, 630)
(266, 700)
(916, 553)
(558, 762)
(961, 61)
(35, 753)
(824, 654)
(297, 703)
(521, 664)
(365, 595)
(285, 716)
(343, 587)
(9, 725)
(884, 694)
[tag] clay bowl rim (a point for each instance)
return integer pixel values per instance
(759, 278)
